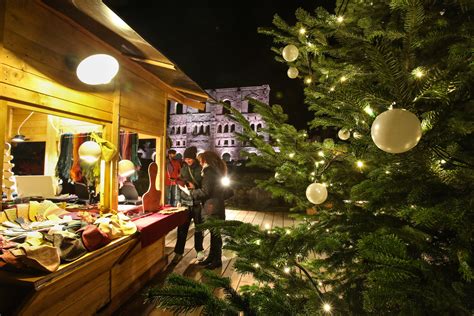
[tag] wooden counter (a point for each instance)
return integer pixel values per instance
(98, 282)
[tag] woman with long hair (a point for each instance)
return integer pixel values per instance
(212, 194)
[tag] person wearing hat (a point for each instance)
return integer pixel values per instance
(191, 178)
(173, 167)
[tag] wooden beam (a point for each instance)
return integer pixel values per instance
(150, 61)
(3, 128)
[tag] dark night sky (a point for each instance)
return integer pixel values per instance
(216, 42)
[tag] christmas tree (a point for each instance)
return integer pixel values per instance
(392, 193)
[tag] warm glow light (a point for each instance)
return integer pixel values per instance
(302, 30)
(225, 181)
(288, 231)
(18, 138)
(369, 110)
(327, 308)
(418, 73)
(126, 168)
(343, 78)
(332, 89)
(256, 265)
(359, 163)
(90, 151)
(287, 270)
(340, 19)
(308, 80)
(291, 155)
(97, 69)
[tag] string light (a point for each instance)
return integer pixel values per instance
(340, 19)
(320, 283)
(256, 265)
(308, 80)
(320, 153)
(287, 270)
(387, 172)
(291, 155)
(442, 161)
(258, 241)
(288, 231)
(418, 72)
(359, 163)
(332, 89)
(302, 31)
(343, 78)
(327, 307)
(267, 226)
(369, 110)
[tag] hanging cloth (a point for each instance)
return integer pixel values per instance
(64, 164)
(75, 173)
(108, 149)
(129, 150)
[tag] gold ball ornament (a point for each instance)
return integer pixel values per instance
(292, 72)
(290, 52)
(344, 134)
(396, 131)
(316, 193)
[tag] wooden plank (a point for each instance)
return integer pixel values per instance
(49, 87)
(3, 127)
(56, 106)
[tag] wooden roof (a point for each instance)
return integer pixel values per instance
(100, 20)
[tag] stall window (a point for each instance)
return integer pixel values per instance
(28, 158)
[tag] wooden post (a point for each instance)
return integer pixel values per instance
(3, 127)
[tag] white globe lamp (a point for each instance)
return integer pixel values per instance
(126, 168)
(90, 151)
(97, 69)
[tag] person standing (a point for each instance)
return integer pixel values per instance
(212, 194)
(173, 167)
(190, 177)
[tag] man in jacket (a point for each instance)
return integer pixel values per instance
(190, 176)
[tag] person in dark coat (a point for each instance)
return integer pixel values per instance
(212, 194)
(190, 177)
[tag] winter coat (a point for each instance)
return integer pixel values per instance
(173, 167)
(190, 174)
(211, 194)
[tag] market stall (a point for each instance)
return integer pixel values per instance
(45, 101)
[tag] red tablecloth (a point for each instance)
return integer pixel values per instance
(153, 227)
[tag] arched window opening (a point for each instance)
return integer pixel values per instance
(172, 131)
(195, 130)
(252, 126)
(208, 130)
(178, 143)
(226, 142)
(232, 128)
(184, 130)
(219, 129)
(226, 128)
(178, 130)
(259, 127)
(224, 109)
(201, 129)
(179, 108)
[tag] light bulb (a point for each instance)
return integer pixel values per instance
(340, 19)
(343, 78)
(327, 308)
(287, 270)
(97, 69)
(320, 153)
(225, 181)
(359, 164)
(302, 31)
(308, 80)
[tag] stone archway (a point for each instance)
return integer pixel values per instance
(226, 157)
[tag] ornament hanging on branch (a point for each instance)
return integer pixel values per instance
(290, 52)
(292, 72)
(357, 135)
(396, 131)
(316, 193)
(344, 134)
(279, 177)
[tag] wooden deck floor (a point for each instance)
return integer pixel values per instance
(188, 268)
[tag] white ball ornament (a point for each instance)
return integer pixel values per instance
(396, 131)
(344, 134)
(290, 52)
(316, 193)
(90, 151)
(292, 72)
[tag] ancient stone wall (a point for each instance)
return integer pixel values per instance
(212, 129)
